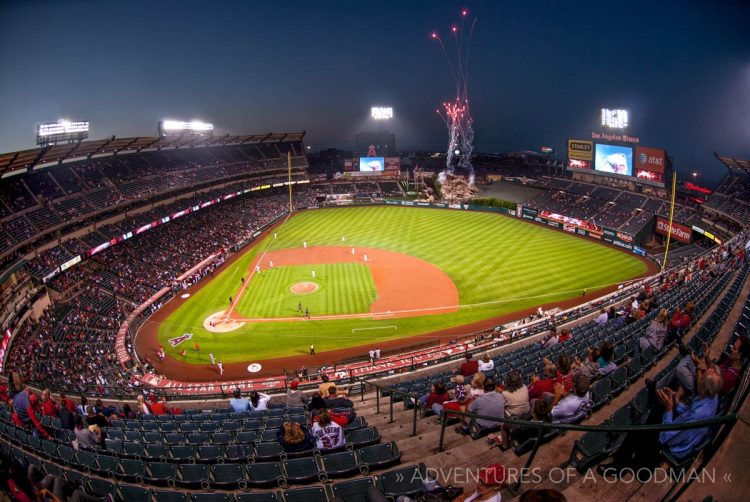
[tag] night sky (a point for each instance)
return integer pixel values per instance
(540, 71)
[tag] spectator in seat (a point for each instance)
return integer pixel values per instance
(67, 419)
(27, 409)
(81, 408)
(159, 407)
(606, 364)
(49, 407)
(469, 367)
(486, 364)
(477, 385)
(574, 406)
(142, 406)
(490, 403)
(294, 397)
(551, 339)
(589, 367)
(731, 366)
(655, 332)
(293, 437)
(337, 402)
(683, 443)
(435, 398)
(516, 396)
(460, 394)
(259, 401)
(565, 335)
(325, 384)
(519, 433)
(541, 388)
(316, 404)
(65, 402)
(564, 374)
(327, 433)
(88, 437)
(602, 318)
(681, 320)
(94, 418)
(238, 403)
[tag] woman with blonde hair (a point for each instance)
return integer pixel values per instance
(477, 384)
(655, 332)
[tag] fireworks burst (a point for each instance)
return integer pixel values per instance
(457, 113)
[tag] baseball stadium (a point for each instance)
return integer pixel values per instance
(220, 313)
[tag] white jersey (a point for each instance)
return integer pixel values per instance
(330, 436)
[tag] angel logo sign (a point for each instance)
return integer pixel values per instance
(174, 342)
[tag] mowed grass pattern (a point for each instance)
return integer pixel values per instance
(343, 288)
(499, 265)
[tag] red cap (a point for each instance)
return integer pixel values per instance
(294, 385)
(32, 398)
(492, 475)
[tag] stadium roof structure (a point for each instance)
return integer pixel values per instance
(37, 158)
(735, 164)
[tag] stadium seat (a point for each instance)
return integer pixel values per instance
(312, 494)
(357, 423)
(221, 438)
(303, 470)
(340, 464)
(113, 445)
(601, 392)
(246, 437)
(161, 473)
(354, 490)
(227, 476)
(211, 497)
(107, 465)
(182, 453)
(619, 379)
(192, 476)
(170, 496)
(589, 450)
(237, 453)
(210, 454)
(136, 450)
(635, 369)
(153, 437)
(102, 487)
(379, 456)
(132, 492)
(131, 470)
(264, 474)
(256, 497)
(155, 451)
(269, 435)
(406, 481)
(85, 460)
(362, 437)
(268, 451)
(197, 438)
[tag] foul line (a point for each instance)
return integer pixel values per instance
(228, 313)
(374, 327)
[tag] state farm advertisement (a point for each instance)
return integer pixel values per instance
(681, 233)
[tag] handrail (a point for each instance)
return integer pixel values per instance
(414, 397)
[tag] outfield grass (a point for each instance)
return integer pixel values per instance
(343, 288)
(499, 265)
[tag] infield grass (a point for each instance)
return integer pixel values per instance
(499, 265)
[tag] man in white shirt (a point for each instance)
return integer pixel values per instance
(602, 318)
(486, 364)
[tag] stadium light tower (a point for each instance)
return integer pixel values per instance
(381, 112)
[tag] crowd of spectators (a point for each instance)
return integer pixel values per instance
(70, 347)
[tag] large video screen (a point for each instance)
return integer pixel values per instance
(614, 159)
(371, 164)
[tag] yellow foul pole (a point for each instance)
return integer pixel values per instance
(671, 216)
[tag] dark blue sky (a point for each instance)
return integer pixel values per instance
(540, 71)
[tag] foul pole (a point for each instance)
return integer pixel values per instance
(289, 184)
(671, 216)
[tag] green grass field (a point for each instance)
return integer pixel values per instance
(499, 265)
(343, 288)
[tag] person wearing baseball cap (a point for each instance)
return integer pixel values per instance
(490, 480)
(295, 398)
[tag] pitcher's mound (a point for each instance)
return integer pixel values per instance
(219, 323)
(304, 288)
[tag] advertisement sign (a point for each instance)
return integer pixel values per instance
(579, 164)
(371, 164)
(681, 233)
(580, 150)
(649, 164)
(614, 159)
(392, 164)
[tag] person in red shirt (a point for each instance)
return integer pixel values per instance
(470, 367)
(731, 367)
(159, 407)
(538, 386)
(438, 396)
(50, 408)
(67, 403)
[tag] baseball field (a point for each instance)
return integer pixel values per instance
(360, 276)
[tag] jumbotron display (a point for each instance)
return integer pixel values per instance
(644, 163)
(176, 127)
(371, 164)
(614, 159)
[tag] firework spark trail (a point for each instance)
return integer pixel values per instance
(456, 114)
